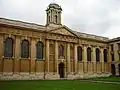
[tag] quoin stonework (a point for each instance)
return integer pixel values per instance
(30, 51)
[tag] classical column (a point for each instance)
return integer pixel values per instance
(33, 55)
(47, 55)
(75, 57)
(17, 54)
(68, 57)
(109, 58)
(56, 55)
(116, 55)
(102, 59)
(85, 59)
(94, 68)
(1, 53)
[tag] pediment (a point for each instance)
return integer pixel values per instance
(63, 31)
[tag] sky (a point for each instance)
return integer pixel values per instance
(99, 17)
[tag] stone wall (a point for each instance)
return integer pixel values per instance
(47, 76)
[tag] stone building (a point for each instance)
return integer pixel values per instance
(54, 51)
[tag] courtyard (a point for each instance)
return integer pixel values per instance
(60, 85)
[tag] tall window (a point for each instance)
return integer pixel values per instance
(105, 55)
(61, 50)
(8, 48)
(55, 18)
(89, 54)
(79, 53)
(97, 55)
(71, 52)
(119, 46)
(25, 49)
(39, 49)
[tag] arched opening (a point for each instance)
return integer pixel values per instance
(88, 54)
(79, 53)
(105, 55)
(119, 68)
(39, 50)
(61, 70)
(61, 50)
(113, 69)
(8, 47)
(25, 49)
(97, 55)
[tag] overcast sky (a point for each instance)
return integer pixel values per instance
(99, 17)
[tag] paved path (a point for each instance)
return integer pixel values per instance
(100, 81)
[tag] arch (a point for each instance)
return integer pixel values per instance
(61, 70)
(25, 49)
(105, 55)
(97, 55)
(61, 50)
(56, 19)
(88, 54)
(8, 47)
(79, 53)
(119, 68)
(39, 50)
(71, 52)
(113, 69)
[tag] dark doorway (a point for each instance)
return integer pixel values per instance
(61, 70)
(119, 68)
(113, 69)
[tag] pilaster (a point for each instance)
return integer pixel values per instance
(56, 55)
(68, 57)
(47, 55)
(75, 58)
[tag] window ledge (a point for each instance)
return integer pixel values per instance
(40, 59)
(8, 58)
(25, 58)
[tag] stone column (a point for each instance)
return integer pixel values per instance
(17, 54)
(1, 53)
(109, 58)
(85, 59)
(116, 57)
(33, 55)
(47, 55)
(68, 57)
(94, 68)
(75, 57)
(102, 59)
(56, 55)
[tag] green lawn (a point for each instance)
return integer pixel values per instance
(56, 85)
(111, 79)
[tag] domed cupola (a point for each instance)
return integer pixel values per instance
(53, 14)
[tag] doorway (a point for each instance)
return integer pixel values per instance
(113, 69)
(119, 68)
(61, 70)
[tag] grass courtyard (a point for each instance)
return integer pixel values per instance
(56, 85)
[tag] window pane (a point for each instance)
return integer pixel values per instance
(39, 53)
(8, 48)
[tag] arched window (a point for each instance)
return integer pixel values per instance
(79, 53)
(89, 54)
(8, 48)
(105, 55)
(61, 50)
(97, 55)
(39, 50)
(55, 18)
(25, 49)
(71, 52)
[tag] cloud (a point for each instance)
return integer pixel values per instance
(100, 17)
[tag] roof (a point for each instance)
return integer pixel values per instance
(16, 23)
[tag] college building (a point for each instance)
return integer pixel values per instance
(30, 51)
